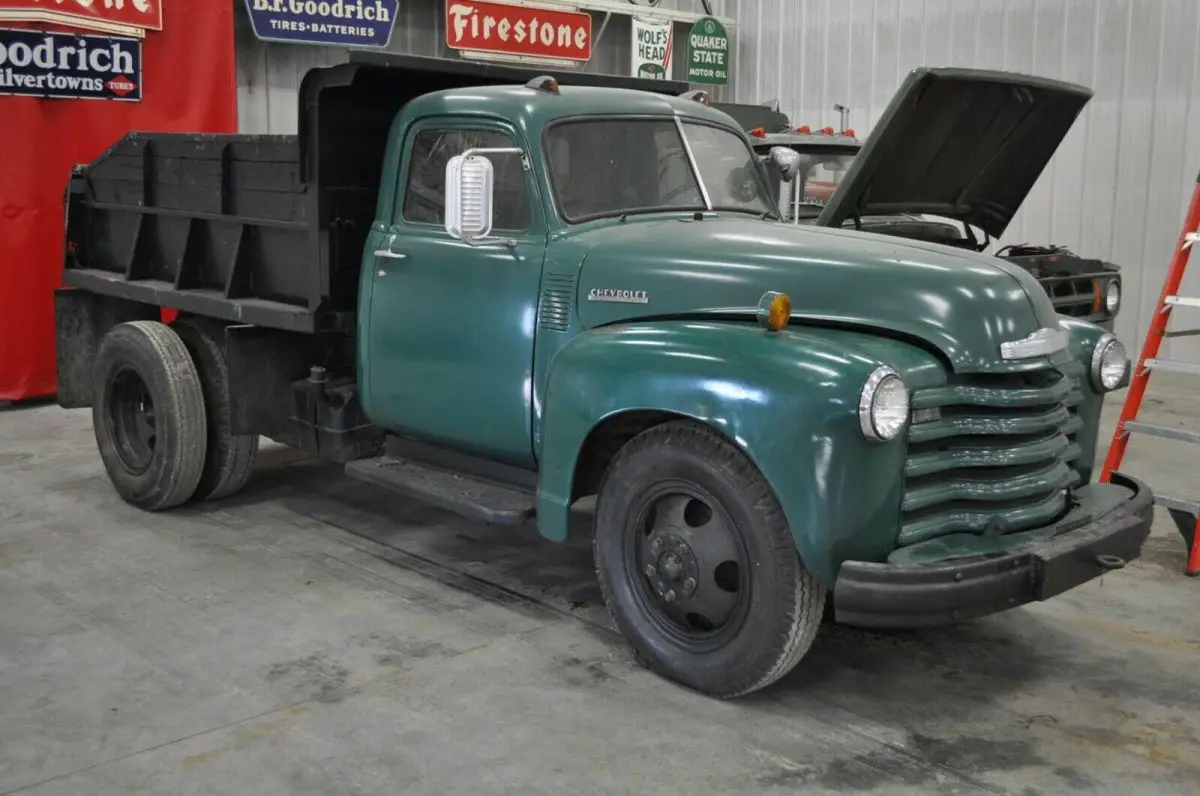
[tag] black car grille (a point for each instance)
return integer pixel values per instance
(1076, 298)
(990, 455)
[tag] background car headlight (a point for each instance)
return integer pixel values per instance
(1109, 363)
(883, 405)
(1112, 297)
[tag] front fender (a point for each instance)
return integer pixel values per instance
(789, 400)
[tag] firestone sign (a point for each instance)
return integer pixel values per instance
(708, 53)
(343, 23)
(518, 32)
(130, 17)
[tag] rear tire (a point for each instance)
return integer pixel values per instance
(148, 415)
(229, 458)
(697, 564)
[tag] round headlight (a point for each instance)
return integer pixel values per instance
(1112, 297)
(1109, 363)
(883, 405)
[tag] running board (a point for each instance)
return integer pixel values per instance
(465, 495)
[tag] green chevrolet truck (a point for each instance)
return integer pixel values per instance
(483, 289)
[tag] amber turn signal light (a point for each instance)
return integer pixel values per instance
(1097, 296)
(774, 310)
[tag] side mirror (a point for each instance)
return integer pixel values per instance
(469, 195)
(787, 161)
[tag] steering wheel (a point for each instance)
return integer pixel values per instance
(676, 192)
(742, 185)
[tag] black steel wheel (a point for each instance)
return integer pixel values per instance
(130, 419)
(689, 562)
(229, 458)
(698, 566)
(148, 415)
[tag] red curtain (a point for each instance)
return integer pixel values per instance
(189, 84)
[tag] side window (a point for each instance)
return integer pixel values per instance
(425, 188)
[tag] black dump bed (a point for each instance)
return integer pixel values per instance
(263, 230)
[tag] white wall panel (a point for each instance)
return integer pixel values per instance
(1118, 186)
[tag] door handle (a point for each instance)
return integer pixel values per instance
(388, 254)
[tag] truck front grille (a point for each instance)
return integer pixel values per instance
(990, 455)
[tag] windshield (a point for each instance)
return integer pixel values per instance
(612, 167)
(821, 171)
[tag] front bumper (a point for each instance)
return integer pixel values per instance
(1089, 541)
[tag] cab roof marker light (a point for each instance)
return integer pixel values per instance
(758, 132)
(804, 129)
(543, 83)
(697, 95)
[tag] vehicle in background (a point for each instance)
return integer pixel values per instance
(499, 295)
(1080, 287)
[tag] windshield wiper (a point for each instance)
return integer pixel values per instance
(633, 211)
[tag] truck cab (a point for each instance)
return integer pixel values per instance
(503, 296)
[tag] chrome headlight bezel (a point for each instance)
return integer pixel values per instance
(1112, 297)
(881, 379)
(1107, 346)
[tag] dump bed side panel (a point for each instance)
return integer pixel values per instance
(219, 225)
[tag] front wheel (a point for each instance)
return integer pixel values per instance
(697, 565)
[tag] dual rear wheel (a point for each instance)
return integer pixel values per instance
(161, 415)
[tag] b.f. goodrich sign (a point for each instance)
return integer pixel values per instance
(346, 23)
(37, 63)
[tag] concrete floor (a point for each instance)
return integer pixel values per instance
(314, 637)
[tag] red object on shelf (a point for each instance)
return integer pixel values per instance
(189, 84)
(1185, 512)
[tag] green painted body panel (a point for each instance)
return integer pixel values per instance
(788, 399)
(497, 350)
(965, 304)
(448, 331)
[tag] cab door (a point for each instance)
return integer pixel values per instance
(450, 328)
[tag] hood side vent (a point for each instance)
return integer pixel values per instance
(554, 306)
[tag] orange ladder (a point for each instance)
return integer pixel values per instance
(1185, 513)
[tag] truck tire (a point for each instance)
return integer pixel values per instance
(148, 415)
(229, 457)
(697, 565)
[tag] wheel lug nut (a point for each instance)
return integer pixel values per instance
(650, 570)
(670, 596)
(689, 584)
(656, 545)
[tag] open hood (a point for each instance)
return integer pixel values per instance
(963, 143)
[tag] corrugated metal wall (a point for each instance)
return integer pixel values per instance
(1118, 186)
(270, 74)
